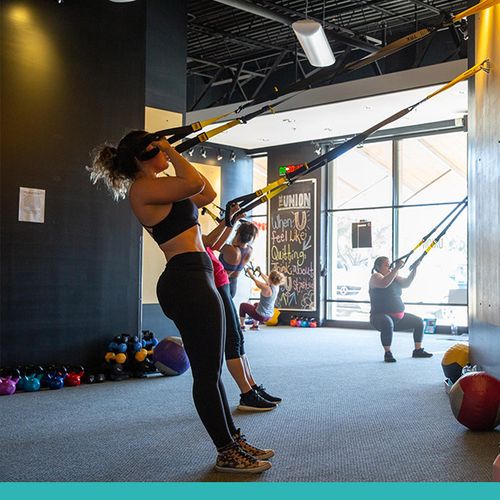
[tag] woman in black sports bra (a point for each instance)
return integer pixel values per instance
(168, 208)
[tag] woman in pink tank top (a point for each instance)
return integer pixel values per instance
(253, 397)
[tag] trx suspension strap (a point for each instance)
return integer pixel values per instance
(439, 236)
(405, 257)
(206, 210)
(173, 135)
(249, 201)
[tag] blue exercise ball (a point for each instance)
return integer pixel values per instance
(169, 356)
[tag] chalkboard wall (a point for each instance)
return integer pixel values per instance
(294, 243)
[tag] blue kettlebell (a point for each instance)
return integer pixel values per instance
(31, 383)
(56, 381)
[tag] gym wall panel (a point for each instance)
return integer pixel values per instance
(484, 196)
(72, 78)
(166, 44)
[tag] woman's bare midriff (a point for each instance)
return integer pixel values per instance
(188, 241)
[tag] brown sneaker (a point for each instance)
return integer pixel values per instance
(234, 459)
(252, 450)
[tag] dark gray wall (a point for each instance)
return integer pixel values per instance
(166, 52)
(484, 201)
(73, 76)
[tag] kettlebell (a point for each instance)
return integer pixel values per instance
(74, 376)
(8, 382)
(31, 383)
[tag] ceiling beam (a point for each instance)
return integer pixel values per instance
(341, 34)
(211, 63)
(257, 10)
(207, 87)
(242, 40)
(269, 73)
(425, 6)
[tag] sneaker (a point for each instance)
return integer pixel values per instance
(234, 459)
(420, 353)
(389, 358)
(261, 391)
(255, 327)
(258, 453)
(253, 401)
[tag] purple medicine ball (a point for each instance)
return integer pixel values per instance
(169, 356)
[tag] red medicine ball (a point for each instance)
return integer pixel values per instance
(475, 401)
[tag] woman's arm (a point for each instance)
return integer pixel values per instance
(212, 238)
(218, 237)
(186, 183)
(406, 282)
(378, 280)
(262, 285)
(206, 196)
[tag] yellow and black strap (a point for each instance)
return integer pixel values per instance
(250, 201)
(406, 256)
(439, 236)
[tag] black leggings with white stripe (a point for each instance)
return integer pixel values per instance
(187, 295)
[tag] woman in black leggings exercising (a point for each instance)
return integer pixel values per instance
(387, 309)
(168, 208)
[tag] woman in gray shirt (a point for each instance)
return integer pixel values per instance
(262, 311)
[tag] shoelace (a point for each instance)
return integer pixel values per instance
(248, 448)
(238, 456)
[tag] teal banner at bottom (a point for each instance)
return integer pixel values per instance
(260, 491)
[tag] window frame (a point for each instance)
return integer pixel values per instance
(330, 256)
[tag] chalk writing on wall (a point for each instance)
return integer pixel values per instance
(292, 245)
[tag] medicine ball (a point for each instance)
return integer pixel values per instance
(169, 356)
(454, 359)
(475, 401)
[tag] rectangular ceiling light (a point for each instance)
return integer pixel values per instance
(313, 40)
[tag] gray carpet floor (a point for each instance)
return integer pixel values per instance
(345, 416)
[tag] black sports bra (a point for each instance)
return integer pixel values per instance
(182, 216)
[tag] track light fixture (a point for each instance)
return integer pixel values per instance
(203, 152)
(191, 152)
(317, 148)
(219, 155)
(232, 157)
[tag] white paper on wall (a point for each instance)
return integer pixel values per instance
(31, 205)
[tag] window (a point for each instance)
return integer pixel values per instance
(363, 177)
(433, 168)
(430, 179)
